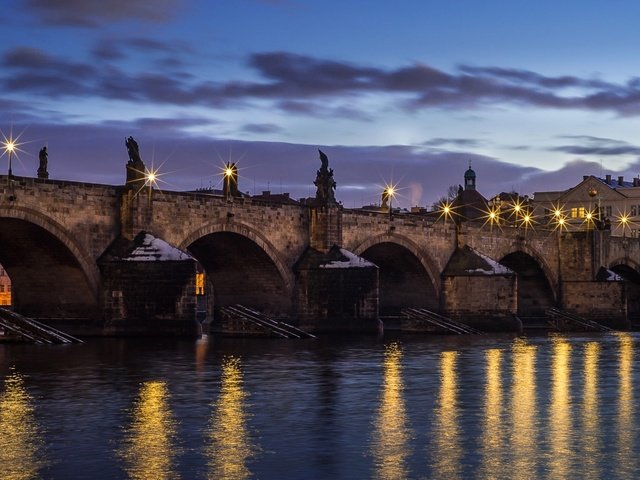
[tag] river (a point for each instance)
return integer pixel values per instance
(437, 407)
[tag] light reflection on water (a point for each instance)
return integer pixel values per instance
(435, 407)
(229, 446)
(493, 434)
(446, 454)
(560, 415)
(391, 436)
(149, 447)
(590, 412)
(626, 412)
(20, 439)
(523, 410)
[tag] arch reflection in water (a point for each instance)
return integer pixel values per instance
(626, 421)
(447, 451)
(560, 418)
(229, 447)
(493, 434)
(523, 408)
(590, 412)
(149, 447)
(391, 435)
(21, 446)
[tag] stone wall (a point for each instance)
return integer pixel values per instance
(483, 301)
(605, 302)
(149, 297)
(343, 299)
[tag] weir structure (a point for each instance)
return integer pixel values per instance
(100, 259)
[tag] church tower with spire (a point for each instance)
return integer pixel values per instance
(469, 179)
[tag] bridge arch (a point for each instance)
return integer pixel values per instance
(407, 275)
(624, 261)
(243, 266)
(630, 271)
(51, 273)
(537, 291)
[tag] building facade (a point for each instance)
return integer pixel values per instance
(604, 203)
(5, 288)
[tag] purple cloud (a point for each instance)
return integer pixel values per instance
(81, 13)
(590, 145)
(306, 85)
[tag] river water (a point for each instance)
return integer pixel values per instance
(485, 407)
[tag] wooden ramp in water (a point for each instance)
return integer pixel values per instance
(241, 320)
(32, 330)
(567, 322)
(438, 323)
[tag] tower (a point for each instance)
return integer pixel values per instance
(469, 179)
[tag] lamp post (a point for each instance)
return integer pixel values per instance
(9, 147)
(388, 194)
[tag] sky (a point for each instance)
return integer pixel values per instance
(532, 94)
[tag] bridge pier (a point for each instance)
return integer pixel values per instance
(148, 287)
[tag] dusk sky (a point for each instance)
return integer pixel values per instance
(533, 94)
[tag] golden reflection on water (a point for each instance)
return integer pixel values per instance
(523, 408)
(20, 441)
(229, 446)
(391, 436)
(149, 447)
(447, 436)
(493, 432)
(626, 421)
(560, 421)
(590, 412)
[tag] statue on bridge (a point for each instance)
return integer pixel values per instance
(325, 184)
(135, 166)
(42, 168)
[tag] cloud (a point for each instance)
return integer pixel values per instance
(306, 85)
(590, 145)
(458, 142)
(82, 13)
(261, 128)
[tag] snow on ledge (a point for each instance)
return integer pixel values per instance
(496, 268)
(154, 249)
(612, 276)
(353, 261)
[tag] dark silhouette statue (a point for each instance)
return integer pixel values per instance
(42, 168)
(135, 165)
(325, 184)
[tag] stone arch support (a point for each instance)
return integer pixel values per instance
(252, 234)
(425, 260)
(625, 261)
(85, 260)
(550, 273)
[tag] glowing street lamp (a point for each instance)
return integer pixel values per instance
(388, 194)
(9, 147)
(589, 219)
(230, 180)
(492, 216)
(624, 221)
(446, 211)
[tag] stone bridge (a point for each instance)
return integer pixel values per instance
(61, 243)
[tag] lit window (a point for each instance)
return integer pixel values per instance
(1, 288)
(574, 213)
(581, 212)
